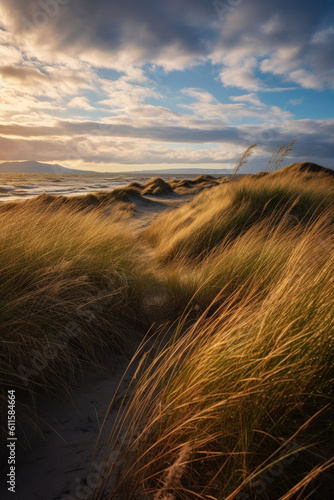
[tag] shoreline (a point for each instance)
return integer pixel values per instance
(25, 190)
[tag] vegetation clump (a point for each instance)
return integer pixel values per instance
(230, 209)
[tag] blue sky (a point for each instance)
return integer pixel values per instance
(133, 85)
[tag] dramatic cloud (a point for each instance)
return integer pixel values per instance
(179, 81)
(114, 34)
(112, 144)
(290, 39)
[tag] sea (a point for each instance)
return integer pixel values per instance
(23, 186)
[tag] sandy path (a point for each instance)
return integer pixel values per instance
(147, 211)
(56, 465)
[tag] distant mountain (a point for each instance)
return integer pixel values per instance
(35, 167)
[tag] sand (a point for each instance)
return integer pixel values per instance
(58, 462)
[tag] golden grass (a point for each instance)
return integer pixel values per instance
(237, 402)
(249, 388)
(244, 158)
(68, 282)
(121, 199)
(248, 262)
(71, 280)
(233, 207)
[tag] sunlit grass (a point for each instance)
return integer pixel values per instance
(239, 404)
(232, 208)
(236, 401)
(247, 389)
(70, 287)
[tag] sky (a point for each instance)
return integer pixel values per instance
(124, 85)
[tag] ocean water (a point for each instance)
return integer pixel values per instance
(20, 186)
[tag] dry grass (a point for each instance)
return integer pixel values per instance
(246, 381)
(237, 402)
(279, 155)
(248, 262)
(244, 158)
(121, 199)
(72, 280)
(68, 281)
(248, 388)
(232, 208)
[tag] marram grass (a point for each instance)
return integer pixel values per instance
(71, 287)
(232, 208)
(239, 404)
(247, 390)
(236, 402)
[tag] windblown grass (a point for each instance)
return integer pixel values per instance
(244, 158)
(247, 390)
(121, 199)
(232, 208)
(279, 155)
(237, 403)
(249, 262)
(68, 282)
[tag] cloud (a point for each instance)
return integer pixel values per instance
(115, 34)
(251, 98)
(293, 40)
(323, 36)
(108, 143)
(208, 107)
(10, 54)
(24, 74)
(254, 37)
(80, 103)
(241, 75)
(61, 60)
(122, 93)
(296, 102)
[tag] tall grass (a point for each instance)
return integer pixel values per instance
(236, 402)
(69, 284)
(239, 405)
(279, 155)
(249, 262)
(232, 208)
(244, 158)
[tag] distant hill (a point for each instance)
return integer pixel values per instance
(35, 167)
